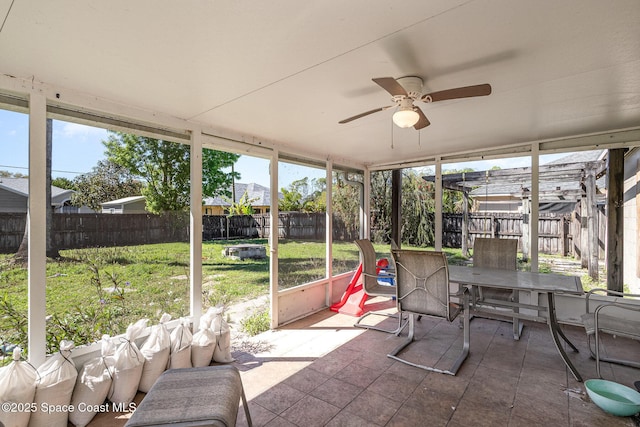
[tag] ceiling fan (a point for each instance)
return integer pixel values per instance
(406, 90)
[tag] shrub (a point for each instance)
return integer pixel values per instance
(257, 323)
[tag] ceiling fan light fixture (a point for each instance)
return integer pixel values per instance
(405, 117)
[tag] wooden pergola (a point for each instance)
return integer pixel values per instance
(585, 173)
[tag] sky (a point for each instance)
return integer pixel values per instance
(78, 148)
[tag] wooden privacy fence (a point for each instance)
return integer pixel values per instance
(557, 233)
(553, 235)
(291, 225)
(72, 230)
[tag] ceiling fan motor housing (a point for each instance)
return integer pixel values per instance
(413, 86)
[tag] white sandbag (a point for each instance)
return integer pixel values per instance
(203, 344)
(222, 351)
(156, 354)
(17, 387)
(208, 316)
(57, 377)
(181, 337)
(92, 386)
(128, 365)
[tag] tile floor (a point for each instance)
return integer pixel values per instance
(320, 371)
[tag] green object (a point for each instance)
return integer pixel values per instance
(613, 398)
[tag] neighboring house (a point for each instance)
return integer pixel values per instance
(126, 205)
(14, 196)
(259, 196)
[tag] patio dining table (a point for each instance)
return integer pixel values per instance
(544, 283)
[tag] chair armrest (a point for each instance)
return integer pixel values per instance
(629, 328)
(618, 305)
(607, 292)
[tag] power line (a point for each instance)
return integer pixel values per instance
(52, 170)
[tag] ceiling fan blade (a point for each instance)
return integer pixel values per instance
(423, 122)
(391, 85)
(461, 92)
(366, 113)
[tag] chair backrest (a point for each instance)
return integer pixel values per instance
(422, 279)
(495, 253)
(369, 272)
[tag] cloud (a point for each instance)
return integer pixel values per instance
(75, 130)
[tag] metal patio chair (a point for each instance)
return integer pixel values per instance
(372, 288)
(614, 317)
(496, 253)
(422, 280)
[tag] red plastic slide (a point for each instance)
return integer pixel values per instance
(353, 299)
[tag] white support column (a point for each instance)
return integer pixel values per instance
(329, 232)
(535, 205)
(365, 209)
(273, 240)
(195, 225)
(37, 227)
(438, 213)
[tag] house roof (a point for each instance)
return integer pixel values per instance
(258, 194)
(282, 74)
(123, 201)
(21, 186)
(580, 157)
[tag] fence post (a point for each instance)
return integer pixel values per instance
(592, 224)
(465, 223)
(525, 229)
(492, 220)
(563, 236)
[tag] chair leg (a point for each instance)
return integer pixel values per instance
(598, 353)
(246, 407)
(461, 358)
(397, 331)
(595, 354)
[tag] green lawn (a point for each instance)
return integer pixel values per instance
(102, 290)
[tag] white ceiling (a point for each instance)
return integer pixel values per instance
(285, 71)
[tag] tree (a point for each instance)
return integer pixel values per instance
(304, 196)
(64, 183)
(164, 166)
(7, 174)
(291, 201)
(107, 181)
(216, 182)
(243, 206)
(453, 201)
(346, 204)
(418, 207)
(22, 254)
(381, 206)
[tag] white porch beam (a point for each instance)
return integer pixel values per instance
(273, 240)
(329, 232)
(195, 227)
(37, 227)
(619, 138)
(365, 209)
(535, 205)
(438, 214)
